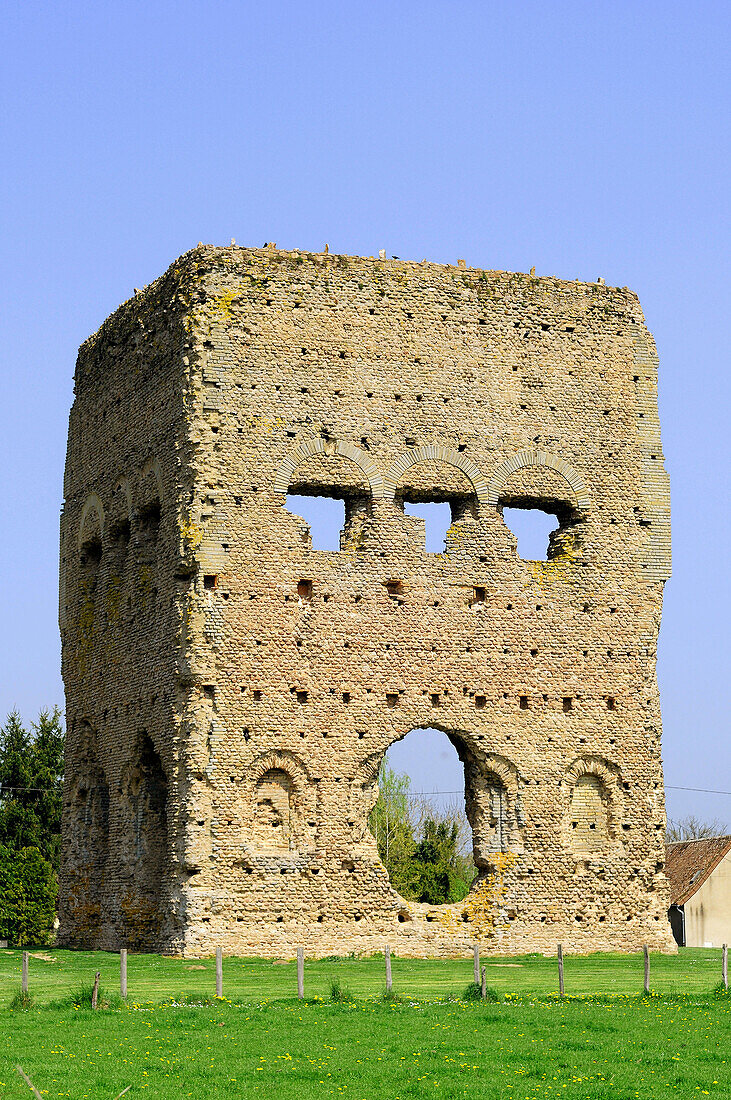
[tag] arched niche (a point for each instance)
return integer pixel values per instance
(144, 854)
(87, 836)
(89, 538)
(91, 521)
(149, 511)
(277, 805)
(120, 515)
(593, 805)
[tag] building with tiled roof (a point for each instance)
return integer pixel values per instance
(700, 891)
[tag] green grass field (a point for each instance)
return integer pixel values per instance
(261, 1042)
(55, 974)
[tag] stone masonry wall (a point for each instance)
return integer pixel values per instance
(231, 692)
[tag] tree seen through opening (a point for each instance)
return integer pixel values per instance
(419, 822)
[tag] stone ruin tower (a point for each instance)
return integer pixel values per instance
(231, 691)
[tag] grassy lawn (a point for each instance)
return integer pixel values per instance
(55, 974)
(261, 1042)
(577, 1050)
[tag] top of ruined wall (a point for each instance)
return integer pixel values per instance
(208, 292)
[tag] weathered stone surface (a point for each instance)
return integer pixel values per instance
(231, 692)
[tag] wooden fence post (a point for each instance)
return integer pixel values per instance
(24, 974)
(483, 983)
(300, 972)
(95, 990)
(123, 972)
(389, 983)
(560, 970)
(28, 1082)
(646, 952)
(219, 972)
(476, 953)
(724, 966)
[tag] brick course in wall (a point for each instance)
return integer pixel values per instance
(231, 691)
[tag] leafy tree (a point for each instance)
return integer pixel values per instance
(31, 782)
(420, 846)
(28, 893)
(694, 828)
(437, 873)
(391, 826)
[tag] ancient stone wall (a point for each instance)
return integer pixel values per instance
(231, 691)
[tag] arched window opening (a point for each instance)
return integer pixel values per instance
(419, 820)
(588, 815)
(439, 494)
(539, 507)
(533, 529)
(437, 518)
(332, 495)
(325, 516)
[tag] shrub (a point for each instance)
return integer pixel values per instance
(390, 998)
(21, 1000)
(81, 998)
(28, 892)
(473, 992)
(339, 993)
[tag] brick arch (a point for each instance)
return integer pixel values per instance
(279, 760)
(318, 445)
(589, 764)
(435, 453)
(92, 503)
(537, 458)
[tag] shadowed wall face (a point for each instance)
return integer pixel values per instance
(234, 688)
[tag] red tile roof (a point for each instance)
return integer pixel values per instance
(688, 863)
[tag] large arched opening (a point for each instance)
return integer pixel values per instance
(443, 813)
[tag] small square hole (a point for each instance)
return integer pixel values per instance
(524, 702)
(302, 696)
(568, 704)
(346, 696)
(304, 589)
(435, 700)
(257, 696)
(392, 698)
(210, 580)
(480, 701)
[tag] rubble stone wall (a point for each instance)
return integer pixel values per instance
(231, 691)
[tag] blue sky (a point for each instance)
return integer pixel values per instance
(580, 138)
